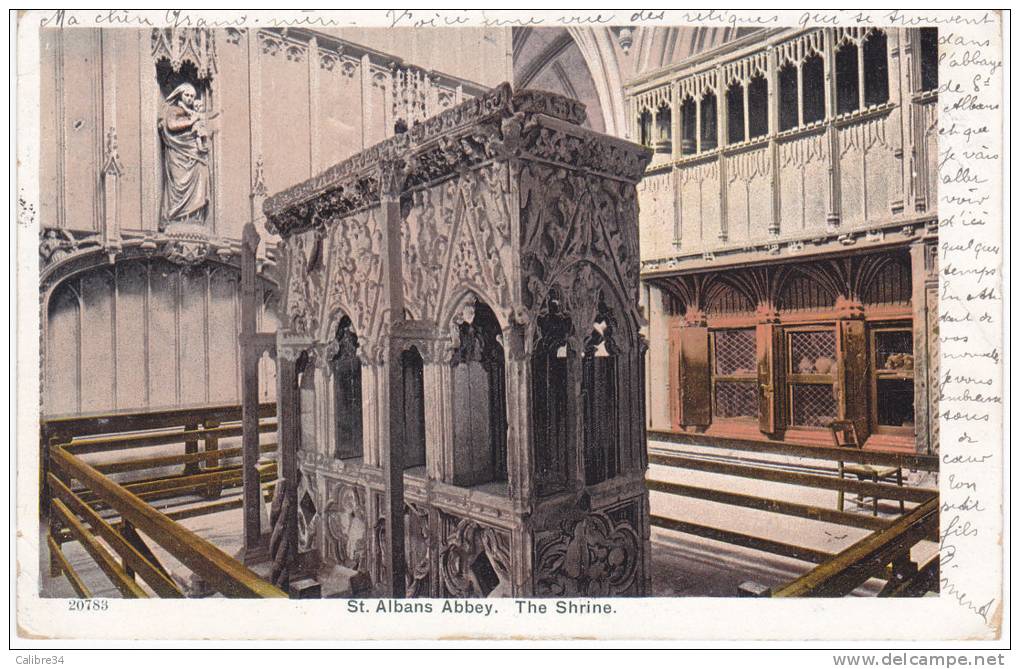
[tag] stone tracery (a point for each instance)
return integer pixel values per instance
(453, 238)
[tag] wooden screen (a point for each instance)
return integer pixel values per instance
(479, 401)
(347, 392)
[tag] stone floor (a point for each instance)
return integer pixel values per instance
(682, 565)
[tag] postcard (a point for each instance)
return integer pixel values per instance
(547, 325)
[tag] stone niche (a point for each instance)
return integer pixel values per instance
(464, 298)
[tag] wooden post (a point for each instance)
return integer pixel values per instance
(768, 338)
(250, 396)
(190, 447)
(852, 368)
(212, 444)
(391, 449)
(283, 540)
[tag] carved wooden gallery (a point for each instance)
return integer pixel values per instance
(789, 238)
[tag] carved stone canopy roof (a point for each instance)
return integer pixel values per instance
(498, 125)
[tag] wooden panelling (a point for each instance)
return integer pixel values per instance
(284, 108)
(803, 173)
(81, 107)
(748, 195)
(149, 334)
(98, 362)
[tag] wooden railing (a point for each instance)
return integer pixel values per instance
(884, 553)
(84, 504)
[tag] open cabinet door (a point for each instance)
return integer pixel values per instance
(769, 382)
(673, 381)
(695, 379)
(852, 380)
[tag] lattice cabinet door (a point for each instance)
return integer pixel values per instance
(734, 374)
(811, 376)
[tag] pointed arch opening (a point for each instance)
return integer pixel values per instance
(599, 397)
(346, 370)
(479, 398)
(413, 386)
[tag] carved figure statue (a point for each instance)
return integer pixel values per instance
(185, 158)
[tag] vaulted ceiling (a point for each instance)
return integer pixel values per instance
(593, 64)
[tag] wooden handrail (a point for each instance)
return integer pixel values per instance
(110, 422)
(176, 459)
(126, 441)
(222, 572)
(771, 505)
(162, 584)
(927, 463)
(867, 488)
(841, 575)
(745, 540)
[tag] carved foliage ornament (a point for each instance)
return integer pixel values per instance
(578, 236)
(354, 282)
(587, 556)
(346, 527)
(307, 517)
(497, 125)
(305, 279)
(475, 562)
(180, 45)
(463, 225)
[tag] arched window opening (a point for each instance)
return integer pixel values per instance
(479, 399)
(549, 403)
(789, 101)
(735, 114)
(709, 122)
(758, 106)
(876, 69)
(599, 399)
(813, 74)
(847, 91)
(688, 127)
(645, 127)
(929, 39)
(413, 378)
(346, 369)
(664, 129)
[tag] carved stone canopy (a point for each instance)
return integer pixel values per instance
(501, 124)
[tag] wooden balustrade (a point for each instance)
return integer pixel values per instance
(884, 553)
(85, 505)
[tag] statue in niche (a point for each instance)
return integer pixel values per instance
(184, 130)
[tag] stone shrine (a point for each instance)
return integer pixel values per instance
(460, 366)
